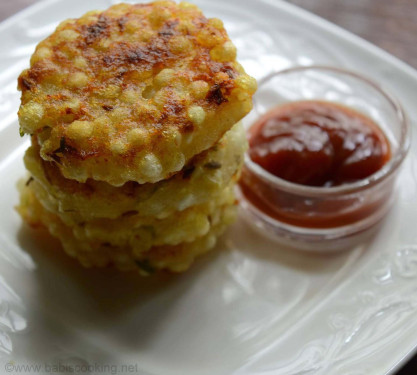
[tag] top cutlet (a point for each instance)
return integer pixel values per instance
(133, 92)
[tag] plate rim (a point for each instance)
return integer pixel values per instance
(318, 21)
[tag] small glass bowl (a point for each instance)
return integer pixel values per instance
(323, 218)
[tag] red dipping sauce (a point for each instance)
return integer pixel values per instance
(318, 143)
(320, 175)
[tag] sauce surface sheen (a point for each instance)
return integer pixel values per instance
(318, 143)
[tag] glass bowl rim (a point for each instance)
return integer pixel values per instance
(387, 170)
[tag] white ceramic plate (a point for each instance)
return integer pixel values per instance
(248, 308)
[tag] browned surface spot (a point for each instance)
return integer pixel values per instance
(121, 23)
(187, 128)
(215, 95)
(96, 31)
(131, 66)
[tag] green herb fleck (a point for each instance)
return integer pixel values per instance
(145, 266)
(213, 165)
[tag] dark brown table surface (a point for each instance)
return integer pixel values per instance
(390, 24)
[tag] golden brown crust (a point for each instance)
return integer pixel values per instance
(92, 252)
(132, 93)
(202, 179)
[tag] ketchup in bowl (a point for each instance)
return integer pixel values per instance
(325, 147)
(318, 143)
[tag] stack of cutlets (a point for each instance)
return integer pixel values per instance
(135, 136)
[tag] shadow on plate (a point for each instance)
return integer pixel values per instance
(72, 299)
(251, 243)
(97, 307)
